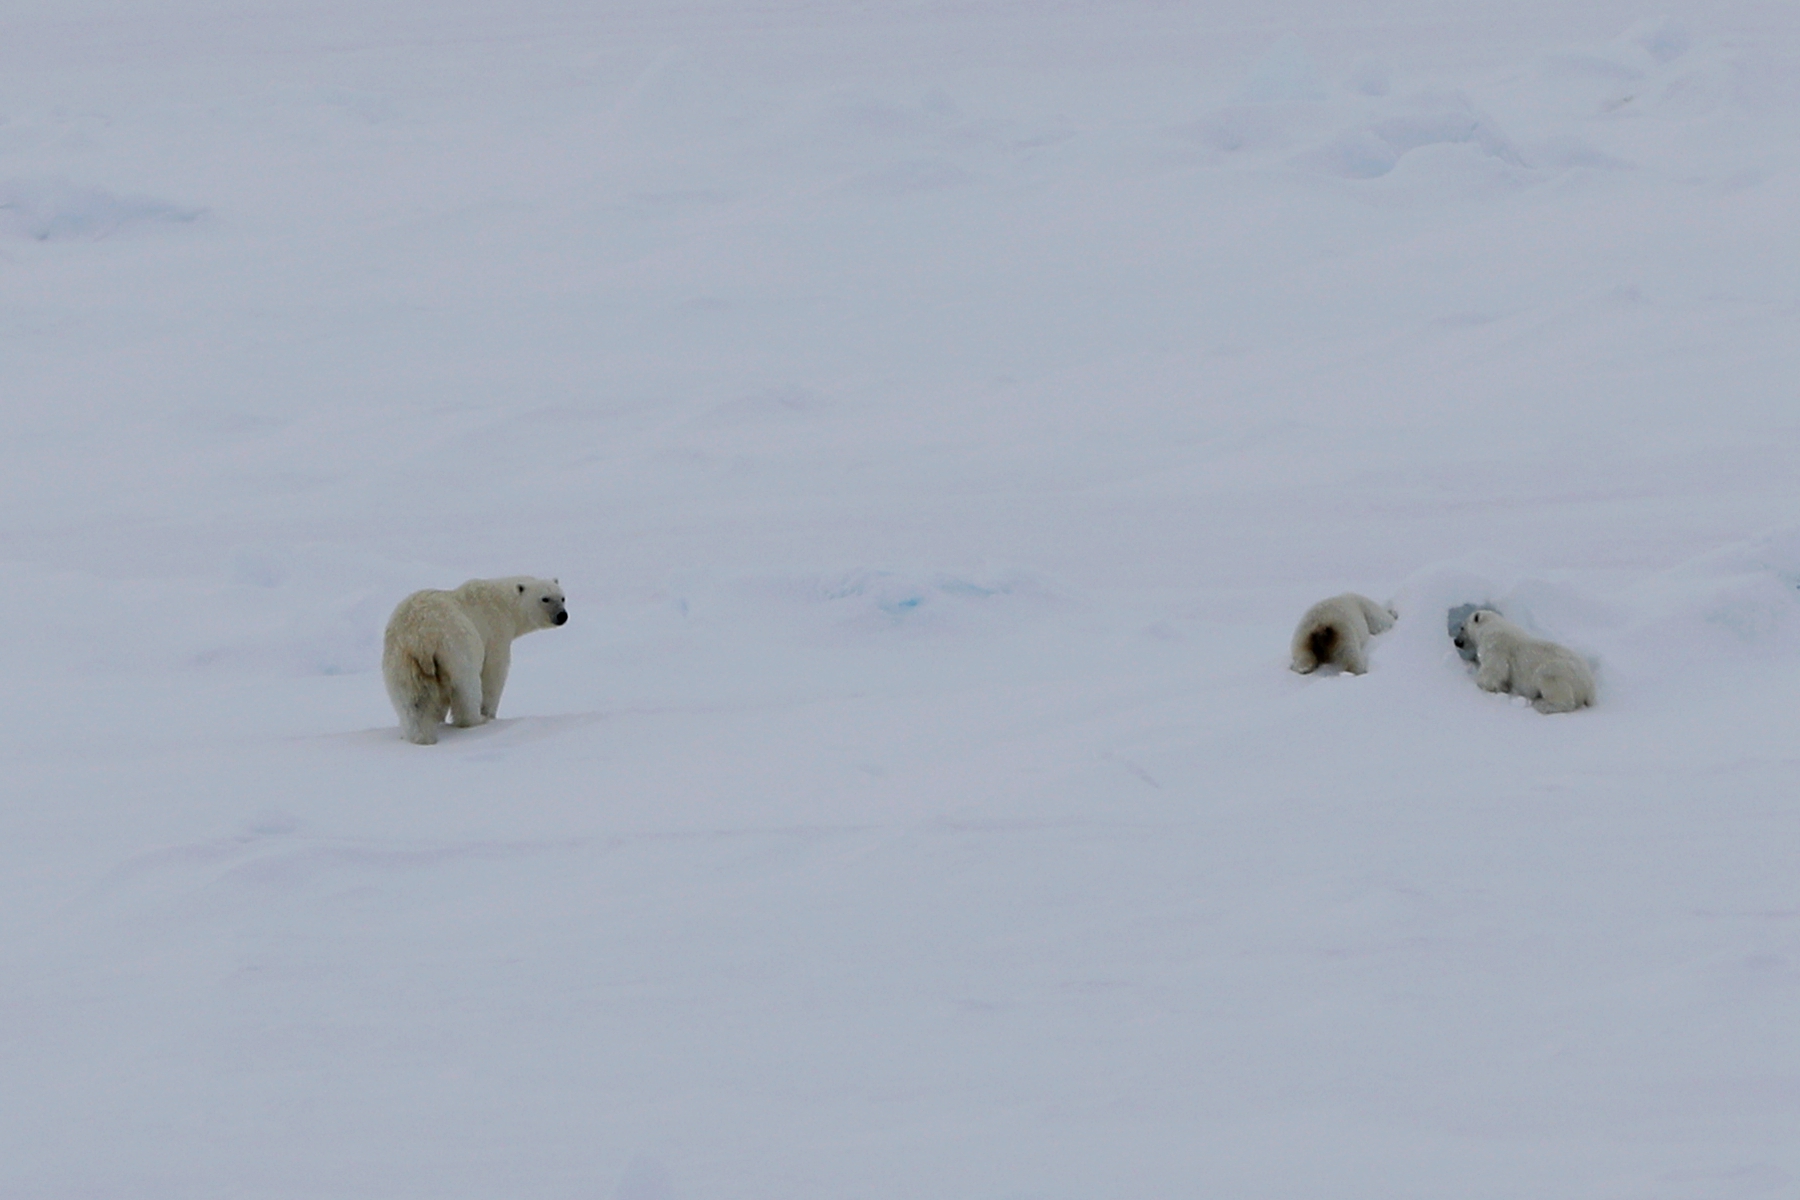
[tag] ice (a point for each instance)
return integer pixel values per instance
(938, 417)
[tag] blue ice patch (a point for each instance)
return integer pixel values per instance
(962, 587)
(1458, 615)
(902, 605)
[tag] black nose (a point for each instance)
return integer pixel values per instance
(561, 617)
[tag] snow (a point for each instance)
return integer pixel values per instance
(937, 415)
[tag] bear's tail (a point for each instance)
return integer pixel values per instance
(1322, 641)
(1314, 645)
(434, 680)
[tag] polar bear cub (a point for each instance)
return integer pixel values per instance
(449, 651)
(1338, 631)
(1552, 677)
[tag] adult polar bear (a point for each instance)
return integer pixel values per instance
(1552, 677)
(449, 651)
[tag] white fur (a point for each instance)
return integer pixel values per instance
(1338, 631)
(449, 651)
(1554, 678)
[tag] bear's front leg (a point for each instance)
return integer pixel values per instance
(493, 679)
(1493, 674)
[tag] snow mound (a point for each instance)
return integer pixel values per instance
(1421, 640)
(1363, 134)
(1368, 125)
(1655, 68)
(1687, 631)
(1405, 125)
(1733, 609)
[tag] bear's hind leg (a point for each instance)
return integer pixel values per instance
(417, 725)
(1307, 658)
(425, 710)
(1379, 619)
(465, 701)
(459, 674)
(418, 699)
(1557, 694)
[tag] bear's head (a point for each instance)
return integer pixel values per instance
(542, 600)
(1465, 637)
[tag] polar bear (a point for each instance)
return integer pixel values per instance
(1338, 631)
(450, 650)
(1552, 677)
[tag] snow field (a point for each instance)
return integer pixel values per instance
(938, 418)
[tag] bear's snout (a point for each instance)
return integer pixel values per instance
(562, 618)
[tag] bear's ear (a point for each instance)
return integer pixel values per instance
(521, 589)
